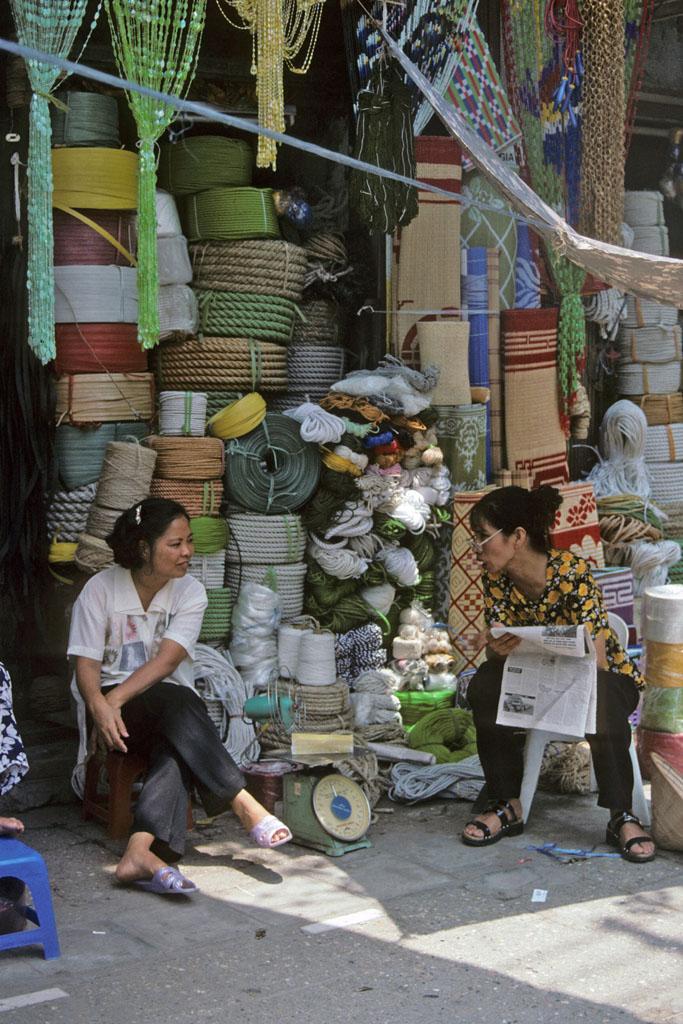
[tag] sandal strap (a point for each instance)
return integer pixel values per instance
(622, 819)
(481, 825)
(634, 840)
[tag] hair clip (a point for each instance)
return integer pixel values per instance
(138, 514)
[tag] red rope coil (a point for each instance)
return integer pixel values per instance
(76, 242)
(98, 348)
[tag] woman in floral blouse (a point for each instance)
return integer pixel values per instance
(13, 763)
(527, 583)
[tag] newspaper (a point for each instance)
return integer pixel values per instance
(549, 680)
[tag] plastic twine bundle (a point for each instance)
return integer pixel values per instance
(286, 580)
(271, 469)
(244, 315)
(216, 621)
(104, 397)
(98, 348)
(201, 162)
(85, 294)
(210, 534)
(225, 214)
(622, 469)
(198, 497)
(94, 236)
(187, 458)
(182, 413)
(94, 179)
(85, 119)
(80, 451)
(254, 637)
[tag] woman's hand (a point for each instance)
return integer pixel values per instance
(109, 724)
(501, 646)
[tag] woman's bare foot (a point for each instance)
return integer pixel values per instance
(250, 812)
(138, 861)
(492, 820)
(11, 826)
(628, 830)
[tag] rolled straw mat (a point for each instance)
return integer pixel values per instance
(660, 409)
(667, 804)
(445, 343)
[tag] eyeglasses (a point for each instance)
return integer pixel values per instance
(477, 545)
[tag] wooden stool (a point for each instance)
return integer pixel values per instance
(114, 808)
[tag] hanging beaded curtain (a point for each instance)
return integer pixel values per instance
(280, 31)
(51, 26)
(156, 44)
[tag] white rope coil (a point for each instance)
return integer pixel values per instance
(337, 560)
(622, 468)
(173, 260)
(178, 312)
(667, 481)
(208, 569)
(182, 413)
(400, 564)
(275, 540)
(651, 239)
(375, 709)
(643, 208)
(664, 444)
(168, 221)
(68, 512)
(225, 692)
(380, 597)
(410, 508)
(317, 425)
(663, 614)
(253, 646)
(650, 561)
(462, 780)
(654, 379)
(650, 345)
(96, 294)
(316, 664)
(648, 313)
(286, 580)
(353, 520)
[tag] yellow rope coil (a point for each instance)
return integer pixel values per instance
(339, 464)
(95, 178)
(238, 418)
(61, 552)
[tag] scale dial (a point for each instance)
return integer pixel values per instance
(341, 807)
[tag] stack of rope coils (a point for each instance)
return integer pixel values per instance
(315, 357)
(268, 549)
(178, 314)
(236, 364)
(254, 266)
(210, 535)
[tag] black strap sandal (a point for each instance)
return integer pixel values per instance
(512, 826)
(613, 838)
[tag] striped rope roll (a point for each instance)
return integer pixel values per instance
(255, 538)
(104, 397)
(94, 294)
(178, 312)
(286, 580)
(198, 497)
(666, 479)
(314, 366)
(201, 162)
(95, 179)
(182, 413)
(653, 240)
(173, 260)
(217, 400)
(648, 313)
(650, 345)
(643, 208)
(80, 451)
(654, 379)
(90, 119)
(126, 476)
(92, 554)
(225, 214)
(68, 512)
(241, 315)
(661, 409)
(209, 569)
(271, 469)
(168, 218)
(101, 521)
(187, 458)
(98, 348)
(239, 364)
(319, 323)
(217, 617)
(210, 534)
(258, 266)
(78, 242)
(664, 444)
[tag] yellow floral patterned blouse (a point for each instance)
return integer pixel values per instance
(571, 598)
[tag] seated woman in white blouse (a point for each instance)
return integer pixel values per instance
(133, 631)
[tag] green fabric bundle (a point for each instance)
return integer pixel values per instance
(449, 734)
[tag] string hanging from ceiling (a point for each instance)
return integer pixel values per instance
(156, 43)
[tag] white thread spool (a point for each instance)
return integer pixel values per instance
(289, 637)
(663, 618)
(316, 665)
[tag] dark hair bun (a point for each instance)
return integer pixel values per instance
(544, 502)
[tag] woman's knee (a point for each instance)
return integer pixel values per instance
(484, 687)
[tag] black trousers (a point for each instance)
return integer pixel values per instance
(170, 724)
(501, 748)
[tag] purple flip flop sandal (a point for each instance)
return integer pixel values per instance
(263, 832)
(168, 881)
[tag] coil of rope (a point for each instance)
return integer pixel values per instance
(187, 458)
(209, 569)
(622, 468)
(68, 512)
(317, 426)
(95, 179)
(244, 315)
(271, 469)
(126, 475)
(216, 622)
(178, 312)
(108, 237)
(95, 294)
(85, 119)
(240, 418)
(204, 161)
(227, 214)
(98, 348)
(210, 534)
(182, 413)
(198, 497)
(80, 452)
(173, 260)
(258, 266)
(84, 398)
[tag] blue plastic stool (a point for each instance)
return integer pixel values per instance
(17, 860)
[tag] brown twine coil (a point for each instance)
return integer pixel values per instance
(92, 554)
(126, 475)
(566, 767)
(660, 409)
(222, 363)
(187, 458)
(326, 248)
(104, 397)
(259, 266)
(318, 324)
(198, 497)
(617, 529)
(101, 521)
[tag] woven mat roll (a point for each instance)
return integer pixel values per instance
(204, 161)
(68, 512)
(97, 178)
(667, 481)
(256, 538)
(225, 214)
(104, 397)
(652, 379)
(90, 119)
(173, 260)
(236, 363)
(94, 294)
(92, 554)
(243, 315)
(667, 803)
(98, 348)
(314, 366)
(661, 409)
(496, 403)
(650, 345)
(198, 497)
(217, 617)
(648, 313)
(286, 580)
(444, 343)
(258, 266)
(643, 208)
(187, 458)
(664, 444)
(319, 323)
(653, 240)
(178, 313)
(76, 242)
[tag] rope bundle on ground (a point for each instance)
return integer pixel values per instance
(258, 266)
(235, 363)
(187, 458)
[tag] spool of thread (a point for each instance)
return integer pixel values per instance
(663, 663)
(210, 534)
(663, 614)
(182, 413)
(289, 637)
(316, 664)
(126, 476)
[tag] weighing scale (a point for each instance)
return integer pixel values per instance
(327, 812)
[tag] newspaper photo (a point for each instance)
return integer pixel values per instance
(549, 680)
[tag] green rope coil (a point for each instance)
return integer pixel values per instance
(243, 315)
(271, 469)
(210, 534)
(415, 704)
(225, 214)
(324, 591)
(322, 510)
(89, 119)
(449, 734)
(389, 528)
(204, 161)
(217, 617)
(423, 548)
